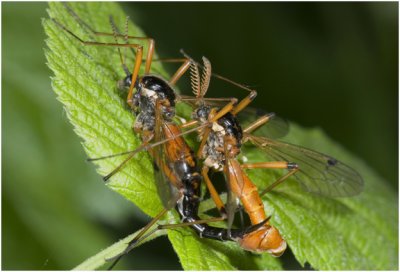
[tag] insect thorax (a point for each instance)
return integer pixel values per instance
(153, 95)
(223, 141)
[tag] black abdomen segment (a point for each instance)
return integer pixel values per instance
(188, 213)
(188, 208)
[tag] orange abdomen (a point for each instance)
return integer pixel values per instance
(266, 238)
(246, 191)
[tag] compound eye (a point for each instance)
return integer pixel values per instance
(125, 83)
(203, 113)
(200, 112)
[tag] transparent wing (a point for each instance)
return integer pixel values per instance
(318, 173)
(232, 181)
(166, 181)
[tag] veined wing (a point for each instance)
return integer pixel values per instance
(234, 182)
(318, 173)
(164, 176)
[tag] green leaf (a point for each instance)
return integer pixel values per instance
(348, 233)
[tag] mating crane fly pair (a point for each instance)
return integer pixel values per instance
(221, 136)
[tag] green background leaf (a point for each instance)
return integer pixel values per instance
(40, 150)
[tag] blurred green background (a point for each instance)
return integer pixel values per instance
(331, 65)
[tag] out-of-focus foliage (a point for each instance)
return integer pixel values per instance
(331, 65)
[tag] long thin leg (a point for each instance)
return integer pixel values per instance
(238, 107)
(171, 60)
(136, 68)
(213, 192)
(190, 98)
(151, 42)
(269, 165)
(151, 45)
(227, 108)
(150, 52)
(179, 73)
(292, 167)
(179, 225)
(147, 146)
(279, 181)
(181, 70)
(214, 116)
(142, 147)
(142, 237)
(258, 123)
(244, 102)
(189, 124)
(139, 53)
(224, 111)
(137, 239)
(207, 131)
(138, 60)
(204, 138)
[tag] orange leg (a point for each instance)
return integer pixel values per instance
(244, 102)
(181, 70)
(214, 194)
(189, 98)
(292, 167)
(205, 133)
(189, 124)
(145, 146)
(151, 42)
(213, 117)
(204, 138)
(179, 73)
(222, 112)
(258, 123)
(227, 108)
(138, 61)
(139, 52)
